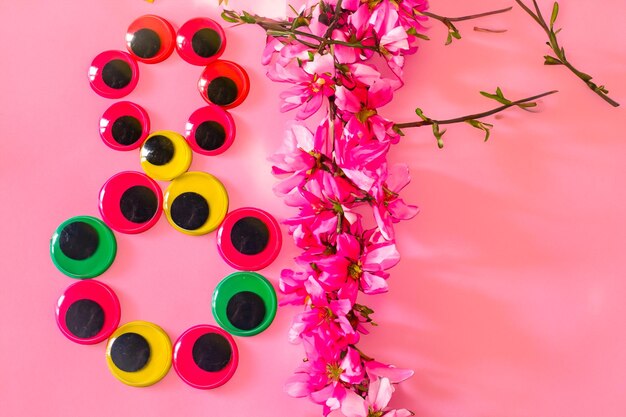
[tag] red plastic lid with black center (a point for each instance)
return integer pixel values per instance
(113, 74)
(131, 202)
(124, 126)
(200, 41)
(88, 312)
(205, 356)
(224, 83)
(249, 239)
(210, 130)
(150, 39)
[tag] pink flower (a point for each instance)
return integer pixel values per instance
(298, 156)
(374, 404)
(356, 267)
(326, 320)
(272, 47)
(390, 208)
(359, 110)
(313, 81)
(324, 376)
(292, 285)
(377, 369)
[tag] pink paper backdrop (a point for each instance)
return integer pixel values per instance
(509, 300)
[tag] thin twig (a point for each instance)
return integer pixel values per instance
(464, 18)
(476, 116)
(560, 58)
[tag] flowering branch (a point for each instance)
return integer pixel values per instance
(558, 50)
(472, 119)
(337, 177)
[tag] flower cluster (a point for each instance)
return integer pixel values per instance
(343, 60)
(346, 194)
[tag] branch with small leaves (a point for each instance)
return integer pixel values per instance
(559, 57)
(289, 29)
(453, 32)
(472, 119)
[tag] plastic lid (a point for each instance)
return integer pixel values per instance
(159, 353)
(249, 239)
(131, 202)
(205, 356)
(236, 303)
(88, 312)
(224, 83)
(83, 247)
(124, 126)
(113, 74)
(195, 203)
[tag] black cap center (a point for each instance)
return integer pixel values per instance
(84, 318)
(117, 74)
(211, 352)
(78, 240)
(189, 211)
(138, 204)
(210, 135)
(206, 42)
(130, 352)
(145, 43)
(250, 235)
(245, 310)
(126, 130)
(222, 91)
(158, 150)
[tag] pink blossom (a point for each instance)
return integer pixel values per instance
(326, 320)
(359, 110)
(374, 404)
(357, 267)
(390, 208)
(330, 176)
(313, 81)
(323, 377)
(292, 285)
(298, 156)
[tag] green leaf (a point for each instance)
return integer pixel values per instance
(247, 18)
(438, 134)
(413, 32)
(555, 13)
(485, 127)
(228, 18)
(421, 115)
(550, 60)
(498, 96)
(397, 130)
(453, 33)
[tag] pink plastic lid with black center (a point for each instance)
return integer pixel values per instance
(249, 239)
(124, 126)
(131, 202)
(113, 74)
(205, 356)
(88, 312)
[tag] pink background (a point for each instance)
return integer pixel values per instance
(509, 300)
